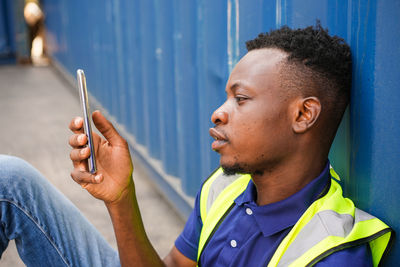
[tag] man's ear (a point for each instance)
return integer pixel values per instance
(306, 113)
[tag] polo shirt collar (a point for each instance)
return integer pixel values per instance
(275, 217)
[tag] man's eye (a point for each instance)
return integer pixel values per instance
(240, 99)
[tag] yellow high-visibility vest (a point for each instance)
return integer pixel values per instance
(330, 224)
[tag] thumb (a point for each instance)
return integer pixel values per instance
(106, 128)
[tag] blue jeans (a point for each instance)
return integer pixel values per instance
(48, 229)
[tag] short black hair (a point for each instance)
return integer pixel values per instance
(319, 59)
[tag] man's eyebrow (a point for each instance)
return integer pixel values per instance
(234, 87)
(238, 85)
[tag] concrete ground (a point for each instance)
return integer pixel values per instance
(36, 105)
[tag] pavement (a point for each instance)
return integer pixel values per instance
(36, 106)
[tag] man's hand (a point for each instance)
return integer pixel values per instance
(113, 184)
(113, 178)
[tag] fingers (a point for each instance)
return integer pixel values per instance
(79, 158)
(79, 154)
(77, 140)
(107, 129)
(76, 125)
(84, 178)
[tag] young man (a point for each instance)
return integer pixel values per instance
(272, 202)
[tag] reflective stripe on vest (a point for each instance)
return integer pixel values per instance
(220, 195)
(330, 224)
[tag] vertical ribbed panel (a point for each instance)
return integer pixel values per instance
(164, 50)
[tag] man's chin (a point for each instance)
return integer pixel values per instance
(233, 169)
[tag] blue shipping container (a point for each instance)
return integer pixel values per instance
(159, 68)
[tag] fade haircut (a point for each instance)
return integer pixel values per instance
(317, 65)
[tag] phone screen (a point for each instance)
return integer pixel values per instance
(87, 121)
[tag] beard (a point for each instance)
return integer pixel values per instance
(245, 168)
(233, 169)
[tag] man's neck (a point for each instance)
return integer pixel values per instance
(286, 180)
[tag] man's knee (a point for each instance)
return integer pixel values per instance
(15, 171)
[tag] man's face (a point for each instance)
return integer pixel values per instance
(253, 127)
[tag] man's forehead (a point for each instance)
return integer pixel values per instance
(257, 65)
(264, 57)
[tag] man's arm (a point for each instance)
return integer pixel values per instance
(130, 234)
(114, 185)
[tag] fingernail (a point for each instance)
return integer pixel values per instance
(83, 151)
(98, 178)
(80, 138)
(77, 120)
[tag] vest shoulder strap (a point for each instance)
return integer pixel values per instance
(330, 224)
(216, 198)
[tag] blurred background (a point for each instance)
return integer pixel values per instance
(158, 69)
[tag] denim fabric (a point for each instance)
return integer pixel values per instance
(48, 229)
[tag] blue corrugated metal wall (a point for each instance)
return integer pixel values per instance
(160, 68)
(13, 32)
(7, 31)
(6, 43)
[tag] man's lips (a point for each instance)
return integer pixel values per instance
(219, 137)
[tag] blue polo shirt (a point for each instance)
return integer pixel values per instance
(250, 234)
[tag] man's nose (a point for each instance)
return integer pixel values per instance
(220, 116)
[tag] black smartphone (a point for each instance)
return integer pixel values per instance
(87, 118)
